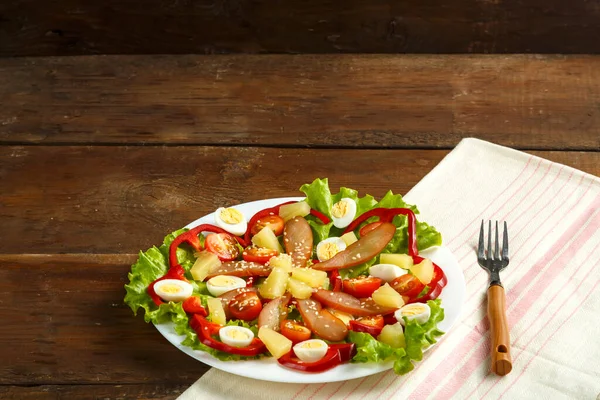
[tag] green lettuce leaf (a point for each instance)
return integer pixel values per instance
(151, 265)
(362, 269)
(417, 336)
(420, 336)
(319, 197)
(369, 349)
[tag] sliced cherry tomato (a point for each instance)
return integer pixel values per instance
(344, 302)
(258, 254)
(362, 250)
(407, 285)
(361, 287)
(191, 238)
(241, 269)
(371, 325)
(245, 306)
(223, 245)
(369, 227)
(274, 222)
(193, 305)
(230, 295)
(321, 322)
(298, 241)
(294, 331)
(261, 214)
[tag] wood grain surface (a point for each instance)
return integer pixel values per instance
(76, 27)
(86, 392)
(100, 157)
(71, 318)
(107, 199)
(354, 101)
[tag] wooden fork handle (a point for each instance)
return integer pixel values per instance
(500, 336)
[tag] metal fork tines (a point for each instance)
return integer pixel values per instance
(493, 260)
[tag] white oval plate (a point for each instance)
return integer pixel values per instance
(269, 370)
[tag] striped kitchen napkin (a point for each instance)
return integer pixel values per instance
(553, 299)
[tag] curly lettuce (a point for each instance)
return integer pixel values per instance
(320, 198)
(418, 337)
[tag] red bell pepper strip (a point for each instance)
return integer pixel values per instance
(191, 237)
(336, 355)
(193, 305)
(176, 272)
(335, 281)
(263, 213)
(206, 329)
(371, 326)
(324, 218)
(376, 212)
(431, 295)
(412, 226)
(436, 285)
(346, 350)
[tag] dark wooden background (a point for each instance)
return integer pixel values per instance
(80, 27)
(103, 154)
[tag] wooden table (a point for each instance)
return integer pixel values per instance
(101, 156)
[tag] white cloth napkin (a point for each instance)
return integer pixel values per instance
(553, 298)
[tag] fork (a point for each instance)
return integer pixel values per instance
(494, 261)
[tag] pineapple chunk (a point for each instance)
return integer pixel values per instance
(266, 238)
(283, 261)
(206, 263)
(299, 289)
(289, 211)
(311, 277)
(392, 335)
(423, 271)
(402, 260)
(276, 343)
(216, 311)
(385, 296)
(275, 284)
(349, 238)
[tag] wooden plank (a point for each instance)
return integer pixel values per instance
(105, 199)
(68, 324)
(75, 27)
(527, 102)
(85, 392)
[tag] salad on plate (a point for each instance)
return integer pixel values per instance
(315, 283)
